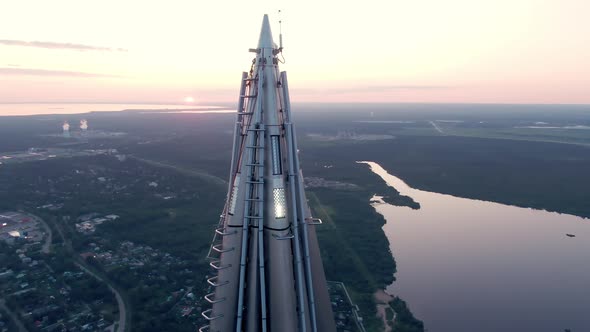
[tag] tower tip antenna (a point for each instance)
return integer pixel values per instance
(280, 32)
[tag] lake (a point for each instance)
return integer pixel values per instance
(470, 265)
(22, 109)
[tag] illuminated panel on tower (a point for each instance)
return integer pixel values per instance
(276, 154)
(280, 202)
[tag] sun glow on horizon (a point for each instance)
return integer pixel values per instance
(506, 51)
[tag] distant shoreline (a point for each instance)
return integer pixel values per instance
(42, 109)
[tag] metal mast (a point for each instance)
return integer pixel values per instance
(269, 273)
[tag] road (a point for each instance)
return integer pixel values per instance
(382, 300)
(47, 245)
(120, 303)
(122, 326)
(13, 316)
(436, 127)
(186, 171)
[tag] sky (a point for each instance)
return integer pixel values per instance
(456, 51)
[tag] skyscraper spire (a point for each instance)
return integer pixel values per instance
(268, 270)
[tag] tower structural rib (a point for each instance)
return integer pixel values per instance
(268, 273)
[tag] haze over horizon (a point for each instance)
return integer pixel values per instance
(456, 51)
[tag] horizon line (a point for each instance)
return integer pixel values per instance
(217, 104)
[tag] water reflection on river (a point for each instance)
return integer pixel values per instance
(469, 265)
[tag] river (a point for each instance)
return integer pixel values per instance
(470, 265)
